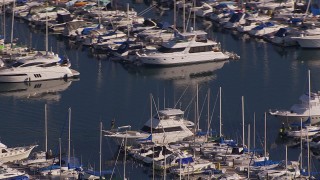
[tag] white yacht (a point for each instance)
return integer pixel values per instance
(37, 68)
(302, 110)
(15, 153)
(10, 173)
(168, 125)
(185, 48)
(308, 41)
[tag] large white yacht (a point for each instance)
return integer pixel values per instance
(168, 125)
(185, 48)
(14, 154)
(37, 68)
(302, 110)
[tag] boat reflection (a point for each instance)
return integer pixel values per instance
(37, 90)
(194, 73)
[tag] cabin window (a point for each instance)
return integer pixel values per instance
(37, 75)
(4, 151)
(200, 49)
(170, 50)
(161, 130)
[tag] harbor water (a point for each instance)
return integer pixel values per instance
(267, 76)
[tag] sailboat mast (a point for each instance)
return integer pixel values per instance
(4, 21)
(46, 39)
(197, 109)
(12, 23)
(265, 134)
(208, 113)
(100, 151)
(309, 94)
(249, 150)
(243, 121)
(184, 16)
(220, 115)
(308, 144)
(254, 130)
(174, 14)
(301, 146)
(69, 140)
(151, 127)
(46, 127)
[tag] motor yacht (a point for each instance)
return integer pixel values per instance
(303, 111)
(185, 48)
(166, 126)
(37, 68)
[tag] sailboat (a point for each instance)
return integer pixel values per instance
(68, 166)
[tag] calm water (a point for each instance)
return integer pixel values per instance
(267, 76)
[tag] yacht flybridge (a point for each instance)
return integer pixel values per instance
(184, 48)
(37, 68)
(166, 126)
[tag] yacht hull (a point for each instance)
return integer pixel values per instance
(181, 58)
(36, 74)
(309, 41)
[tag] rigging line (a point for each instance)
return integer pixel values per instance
(204, 102)
(147, 10)
(190, 11)
(185, 90)
(115, 163)
(214, 107)
(192, 99)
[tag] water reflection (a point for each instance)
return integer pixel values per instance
(38, 90)
(195, 73)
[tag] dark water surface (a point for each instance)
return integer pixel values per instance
(267, 76)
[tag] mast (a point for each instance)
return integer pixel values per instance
(208, 113)
(197, 109)
(220, 115)
(60, 155)
(249, 150)
(301, 146)
(69, 140)
(254, 130)
(151, 127)
(100, 151)
(47, 29)
(184, 16)
(309, 93)
(286, 159)
(308, 144)
(12, 23)
(46, 127)
(243, 121)
(265, 135)
(194, 15)
(174, 14)
(4, 21)
(125, 157)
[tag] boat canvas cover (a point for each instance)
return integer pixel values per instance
(185, 160)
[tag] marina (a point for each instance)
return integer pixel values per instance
(191, 104)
